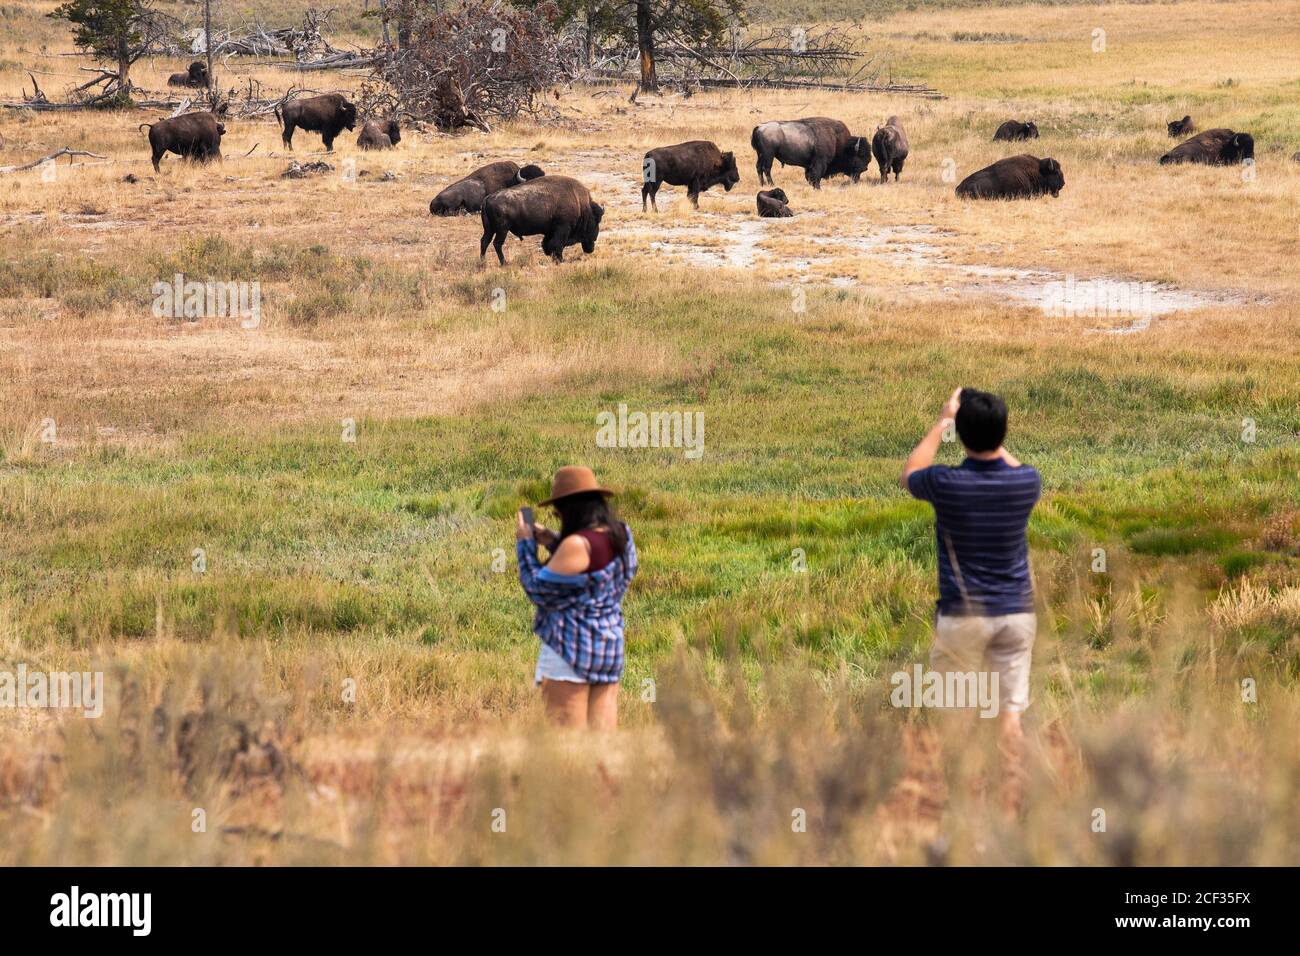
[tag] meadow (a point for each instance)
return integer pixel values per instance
(290, 547)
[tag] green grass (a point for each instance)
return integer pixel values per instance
(392, 538)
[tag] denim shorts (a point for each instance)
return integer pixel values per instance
(552, 666)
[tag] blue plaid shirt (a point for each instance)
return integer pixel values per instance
(580, 616)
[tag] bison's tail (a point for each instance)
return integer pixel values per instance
(145, 126)
(279, 120)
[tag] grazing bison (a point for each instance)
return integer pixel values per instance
(467, 195)
(376, 135)
(889, 146)
(773, 204)
(1017, 177)
(557, 208)
(697, 165)
(194, 136)
(196, 75)
(1011, 131)
(1214, 147)
(328, 114)
(821, 146)
(1182, 127)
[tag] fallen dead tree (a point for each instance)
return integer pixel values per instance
(785, 58)
(304, 43)
(65, 151)
(478, 63)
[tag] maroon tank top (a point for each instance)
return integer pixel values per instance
(602, 548)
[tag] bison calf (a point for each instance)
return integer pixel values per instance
(697, 165)
(889, 146)
(467, 194)
(1016, 177)
(1214, 147)
(328, 114)
(1011, 131)
(773, 204)
(376, 135)
(1182, 127)
(557, 208)
(194, 136)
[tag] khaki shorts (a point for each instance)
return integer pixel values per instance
(1003, 644)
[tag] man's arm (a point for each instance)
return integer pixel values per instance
(922, 455)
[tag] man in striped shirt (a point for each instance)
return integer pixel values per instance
(985, 618)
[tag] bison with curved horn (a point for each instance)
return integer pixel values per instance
(1012, 131)
(889, 146)
(195, 136)
(1182, 127)
(821, 146)
(1016, 177)
(195, 76)
(328, 114)
(697, 165)
(377, 135)
(1214, 147)
(467, 194)
(557, 208)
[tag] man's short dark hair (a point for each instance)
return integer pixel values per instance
(981, 420)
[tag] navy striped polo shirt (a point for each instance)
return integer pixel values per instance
(982, 508)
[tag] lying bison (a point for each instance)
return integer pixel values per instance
(822, 147)
(697, 165)
(1214, 147)
(467, 195)
(1017, 177)
(557, 208)
(1011, 131)
(196, 75)
(194, 136)
(1182, 127)
(889, 146)
(376, 135)
(328, 114)
(773, 204)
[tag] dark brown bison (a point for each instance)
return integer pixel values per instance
(773, 204)
(1214, 147)
(822, 147)
(196, 75)
(697, 165)
(376, 135)
(557, 208)
(194, 136)
(1016, 177)
(328, 114)
(1182, 127)
(1012, 131)
(889, 146)
(467, 195)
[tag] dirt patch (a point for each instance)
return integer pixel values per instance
(920, 266)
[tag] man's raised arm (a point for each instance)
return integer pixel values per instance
(922, 455)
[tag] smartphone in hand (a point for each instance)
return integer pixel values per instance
(527, 514)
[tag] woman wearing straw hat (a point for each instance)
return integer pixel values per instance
(578, 592)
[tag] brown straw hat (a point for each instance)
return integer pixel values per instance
(573, 480)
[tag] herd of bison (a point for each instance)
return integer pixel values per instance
(526, 202)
